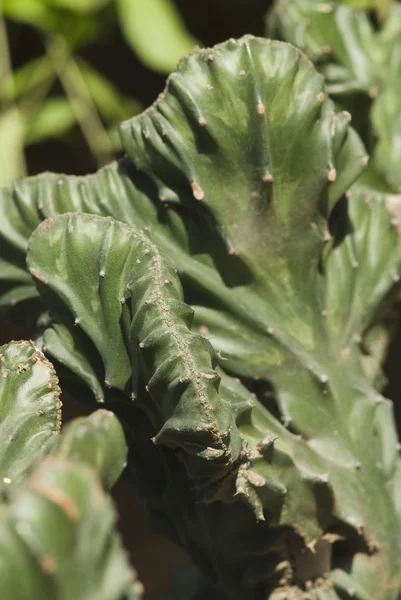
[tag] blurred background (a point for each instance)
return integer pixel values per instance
(70, 71)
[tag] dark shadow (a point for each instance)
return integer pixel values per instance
(339, 222)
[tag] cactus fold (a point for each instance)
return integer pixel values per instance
(361, 65)
(30, 414)
(58, 539)
(57, 525)
(262, 446)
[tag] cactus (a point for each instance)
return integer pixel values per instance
(30, 409)
(362, 69)
(217, 297)
(57, 524)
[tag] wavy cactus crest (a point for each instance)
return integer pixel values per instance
(361, 64)
(257, 436)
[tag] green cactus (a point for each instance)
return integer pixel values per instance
(58, 539)
(57, 525)
(29, 408)
(256, 435)
(362, 69)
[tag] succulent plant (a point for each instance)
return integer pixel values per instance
(361, 64)
(57, 524)
(216, 298)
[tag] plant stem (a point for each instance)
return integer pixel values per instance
(81, 101)
(6, 73)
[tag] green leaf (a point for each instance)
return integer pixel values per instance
(29, 408)
(78, 6)
(155, 31)
(33, 12)
(24, 80)
(53, 120)
(58, 539)
(12, 135)
(112, 104)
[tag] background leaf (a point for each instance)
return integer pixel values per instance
(155, 31)
(53, 120)
(112, 104)
(12, 136)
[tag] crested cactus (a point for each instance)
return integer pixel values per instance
(216, 298)
(58, 538)
(361, 64)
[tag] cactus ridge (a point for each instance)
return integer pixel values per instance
(30, 407)
(57, 526)
(356, 58)
(84, 559)
(159, 331)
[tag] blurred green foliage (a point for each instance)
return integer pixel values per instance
(31, 112)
